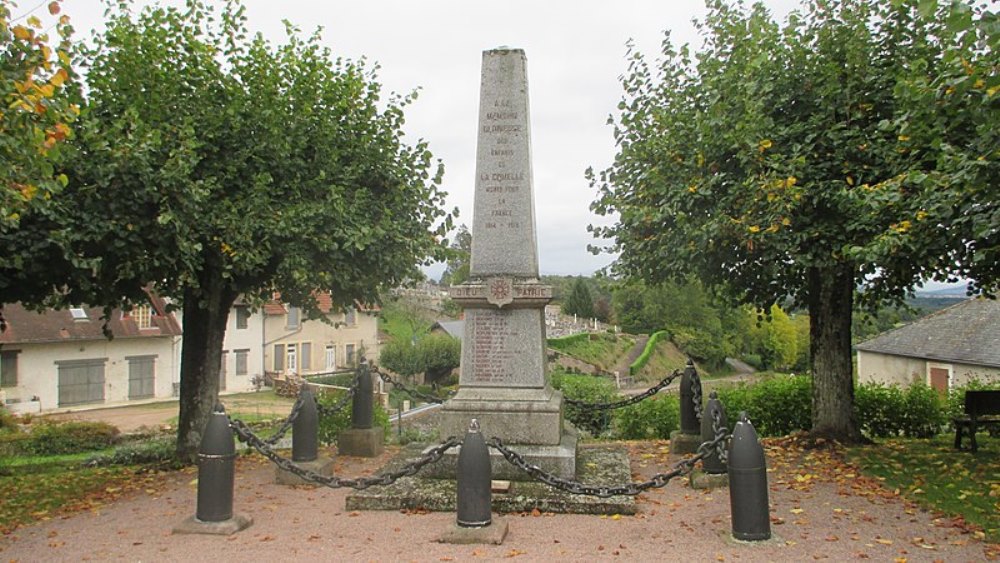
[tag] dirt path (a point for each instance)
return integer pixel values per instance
(622, 367)
(829, 516)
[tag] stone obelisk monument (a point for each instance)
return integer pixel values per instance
(504, 380)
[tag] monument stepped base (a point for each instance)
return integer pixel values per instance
(517, 416)
(559, 459)
(597, 465)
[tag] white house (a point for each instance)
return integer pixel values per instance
(62, 359)
(944, 349)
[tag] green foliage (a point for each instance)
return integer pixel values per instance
(156, 450)
(459, 254)
(806, 159)
(776, 405)
(401, 357)
(331, 426)
(599, 349)
(889, 410)
(579, 302)
(565, 343)
(955, 402)
(60, 438)
(589, 389)
(647, 352)
(653, 418)
(434, 355)
(36, 119)
(8, 422)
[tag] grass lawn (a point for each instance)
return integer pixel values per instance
(665, 359)
(935, 475)
(602, 351)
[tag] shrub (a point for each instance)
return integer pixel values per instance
(589, 389)
(71, 437)
(776, 405)
(655, 417)
(14, 443)
(879, 409)
(955, 405)
(156, 450)
(647, 352)
(330, 426)
(565, 342)
(8, 422)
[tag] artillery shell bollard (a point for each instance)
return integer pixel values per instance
(475, 522)
(216, 479)
(748, 484)
(305, 444)
(714, 471)
(363, 438)
(688, 438)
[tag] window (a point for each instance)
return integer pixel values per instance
(78, 314)
(349, 349)
(292, 358)
(350, 316)
(8, 369)
(242, 317)
(306, 349)
(292, 319)
(279, 357)
(242, 356)
(143, 315)
(330, 357)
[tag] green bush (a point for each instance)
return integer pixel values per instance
(155, 450)
(8, 422)
(776, 405)
(955, 405)
(647, 352)
(655, 417)
(883, 411)
(330, 426)
(71, 437)
(590, 389)
(565, 342)
(13, 443)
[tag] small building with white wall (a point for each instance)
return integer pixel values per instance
(944, 349)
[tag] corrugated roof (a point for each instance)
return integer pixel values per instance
(968, 332)
(24, 326)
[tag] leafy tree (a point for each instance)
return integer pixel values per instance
(579, 302)
(460, 252)
(36, 118)
(216, 165)
(434, 355)
(779, 162)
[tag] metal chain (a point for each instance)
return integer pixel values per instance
(408, 390)
(696, 394)
(247, 436)
(286, 424)
(682, 467)
(719, 430)
(325, 411)
(584, 406)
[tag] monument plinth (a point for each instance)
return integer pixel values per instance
(504, 378)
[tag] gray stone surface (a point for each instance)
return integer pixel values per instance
(224, 528)
(503, 232)
(559, 459)
(503, 348)
(531, 416)
(321, 465)
(701, 480)
(681, 443)
(596, 465)
(492, 534)
(361, 442)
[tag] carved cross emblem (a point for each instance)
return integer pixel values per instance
(500, 291)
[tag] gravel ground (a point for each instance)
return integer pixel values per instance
(820, 510)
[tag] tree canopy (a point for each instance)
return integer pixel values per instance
(579, 301)
(460, 252)
(779, 161)
(36, 120)
(215, 165)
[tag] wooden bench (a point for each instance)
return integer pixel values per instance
(981, 408)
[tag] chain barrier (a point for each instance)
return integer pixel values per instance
(696, 394)
(286, 424)
(682, 467)
(434, 454)
(397, 384)
(325, 411)
(719, 430)
(584, 406)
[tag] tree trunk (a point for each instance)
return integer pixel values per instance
(205, 317)
(831, 304)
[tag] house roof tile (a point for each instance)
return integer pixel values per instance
(25, 326)
(968, 332)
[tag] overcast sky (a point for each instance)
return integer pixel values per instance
(575, 51)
